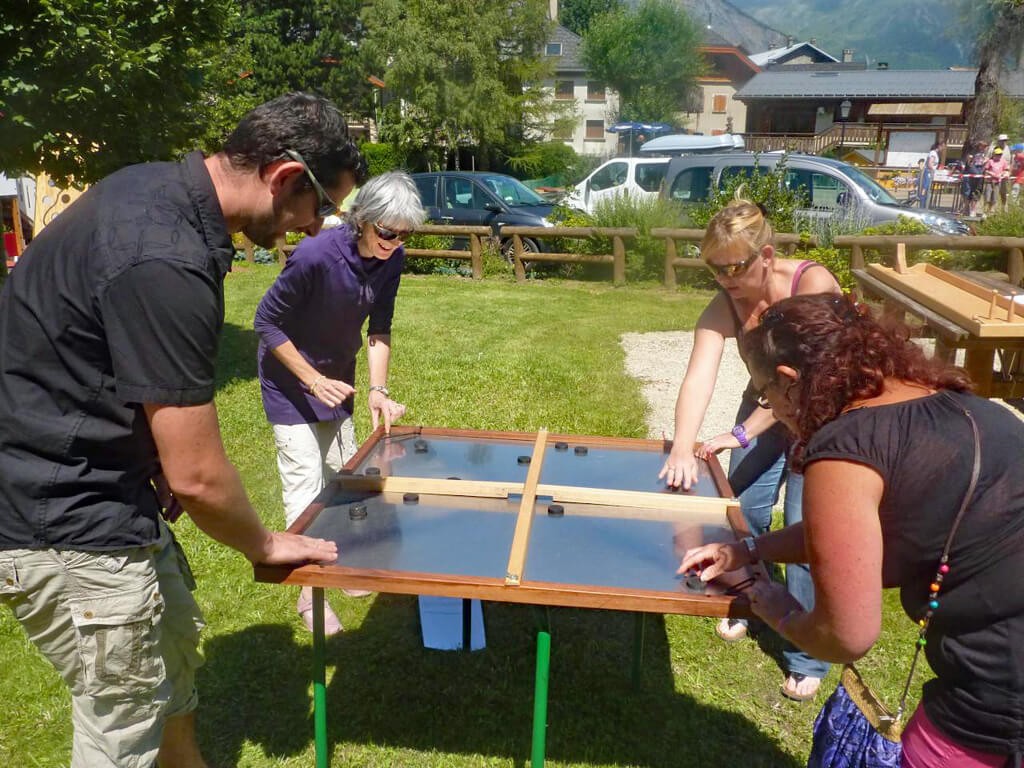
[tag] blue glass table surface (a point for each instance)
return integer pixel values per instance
(412, 455)
(584, 544)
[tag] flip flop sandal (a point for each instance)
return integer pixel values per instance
(731, 630)
(332, 624)
(797, 678)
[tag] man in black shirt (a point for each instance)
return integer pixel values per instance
(108, 339)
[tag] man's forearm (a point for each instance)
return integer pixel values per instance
(221, 509)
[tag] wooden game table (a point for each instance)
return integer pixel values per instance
(962, 314)
(547, 520)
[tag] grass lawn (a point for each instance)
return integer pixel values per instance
(488, 355)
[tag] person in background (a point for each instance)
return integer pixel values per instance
(931, 165)
(309, 325)
(737, 248)
(1003, 142)
(109, 330)
(888, 441)
(996, 172)
(1017, 172)
(975, 171)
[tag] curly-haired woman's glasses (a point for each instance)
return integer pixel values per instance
(759, 395)
(732, 270)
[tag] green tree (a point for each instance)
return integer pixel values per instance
(460, 72)
(87, 86)
(305, 45)
(576, 15)
(649, 55)
(1000, 40)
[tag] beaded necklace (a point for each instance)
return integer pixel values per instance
(942, 570)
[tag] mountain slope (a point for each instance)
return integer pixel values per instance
(908, 34)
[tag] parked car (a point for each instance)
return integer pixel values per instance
(833, 187)
(480, 198)
(638, 177)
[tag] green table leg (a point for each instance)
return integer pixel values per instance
(540, 699)
(639, 627)
(323, 759)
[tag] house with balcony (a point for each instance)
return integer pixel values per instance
(892, 115)
(714, 109)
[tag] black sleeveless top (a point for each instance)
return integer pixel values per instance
(924, 451)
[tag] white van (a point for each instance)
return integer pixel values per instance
(638, 177)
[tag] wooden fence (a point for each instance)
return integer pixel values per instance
(475, 235)
(617, 258)
(1013, 247)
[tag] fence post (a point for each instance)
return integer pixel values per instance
(476, 261)
(517, 258)
(281, 255)
(856, 257)
(619, 265)
(670, 257)
(250, 250)
(1015, 266)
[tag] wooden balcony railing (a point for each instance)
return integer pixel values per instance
(841, 134)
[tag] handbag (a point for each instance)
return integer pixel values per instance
(855, 729)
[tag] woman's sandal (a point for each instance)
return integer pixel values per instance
(731, 630)
(332, 624)
(800, 687)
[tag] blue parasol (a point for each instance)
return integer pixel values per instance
(650, 129)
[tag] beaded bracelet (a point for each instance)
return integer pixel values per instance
(315, 384)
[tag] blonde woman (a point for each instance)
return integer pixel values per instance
(738, 250)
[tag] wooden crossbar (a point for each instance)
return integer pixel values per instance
(490, 489)
(521, 537)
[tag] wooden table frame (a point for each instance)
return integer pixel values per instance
(515, 588)
(979, 352)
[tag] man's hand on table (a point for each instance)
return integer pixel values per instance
(282, 548)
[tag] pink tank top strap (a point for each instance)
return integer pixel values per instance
(803, 267)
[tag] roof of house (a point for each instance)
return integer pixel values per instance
(570, 60)
(779, 54)
(712, 38)
(873, 83)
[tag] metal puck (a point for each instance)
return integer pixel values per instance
(373, 470)
(357, 512)
(523, 459)
(420, 446)
(561, 446)
(556, 510)
(580, 450)
(411, 498)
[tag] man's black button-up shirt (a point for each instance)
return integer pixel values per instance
(118, 302)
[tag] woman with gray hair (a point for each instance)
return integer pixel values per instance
(309, 325)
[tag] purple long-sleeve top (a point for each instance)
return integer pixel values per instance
(319, 302)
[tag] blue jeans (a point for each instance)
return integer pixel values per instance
(756, 474)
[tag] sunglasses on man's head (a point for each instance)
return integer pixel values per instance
(325, 206)
(732, 270)
(391, 234)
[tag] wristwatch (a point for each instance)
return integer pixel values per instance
(751, 547)
(380, 388)
(741, 434)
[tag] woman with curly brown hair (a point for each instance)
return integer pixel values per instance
(737, 248)
(910, 481)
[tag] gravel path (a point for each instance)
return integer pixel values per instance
(658, 361)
